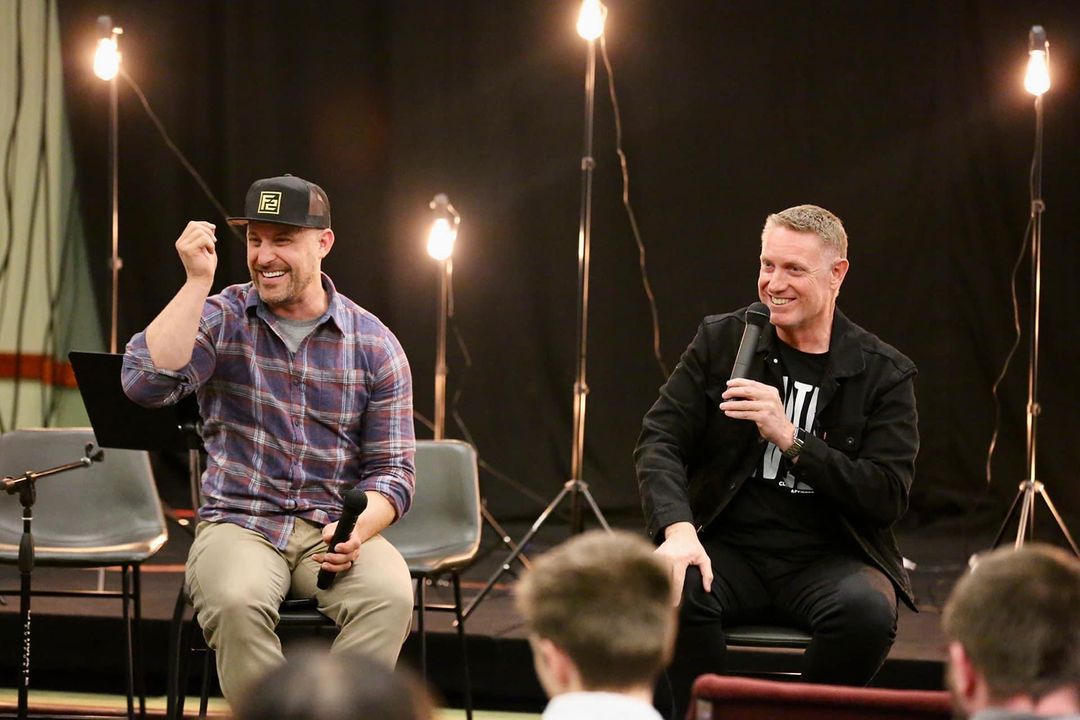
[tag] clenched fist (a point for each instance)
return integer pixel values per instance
(196, 249)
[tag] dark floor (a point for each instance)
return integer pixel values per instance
(77, 643)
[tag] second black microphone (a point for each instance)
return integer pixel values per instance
(355, 503)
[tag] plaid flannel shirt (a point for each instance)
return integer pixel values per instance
(287, 434)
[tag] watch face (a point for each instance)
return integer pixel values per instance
(796, 446)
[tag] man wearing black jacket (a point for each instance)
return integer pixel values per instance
(773, 496)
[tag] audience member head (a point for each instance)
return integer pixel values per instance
(1013, 625)
(315, 685)
(600, 614)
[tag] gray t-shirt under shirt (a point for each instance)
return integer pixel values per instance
(293, 332)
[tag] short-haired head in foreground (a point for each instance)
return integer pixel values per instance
(605, 601)
(1013, 625)
(314, 684)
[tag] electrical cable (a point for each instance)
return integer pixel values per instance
(460, 421)
(9, 199)
(1009, 355)
(24, 299)
(48, 343)
(646, 285)
(1016, 321)
(176, 151)
(68, 243)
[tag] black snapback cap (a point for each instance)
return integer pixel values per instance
(287, 200)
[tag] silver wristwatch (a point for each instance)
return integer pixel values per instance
(798, 441)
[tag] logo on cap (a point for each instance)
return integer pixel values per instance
(269, 203)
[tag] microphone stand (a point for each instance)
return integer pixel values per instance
(1030, 488)
(25, 487)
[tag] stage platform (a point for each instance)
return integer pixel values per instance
(77, 643)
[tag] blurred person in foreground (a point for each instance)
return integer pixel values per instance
(1013, 626)
(601, 623)
(315, 685)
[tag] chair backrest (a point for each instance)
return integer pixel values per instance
(717, 697)
(108, 512)
(442, 528)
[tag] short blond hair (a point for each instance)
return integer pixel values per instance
(811, 219)
(606, 600)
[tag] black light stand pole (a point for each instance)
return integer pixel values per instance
(1031, 488)
(24, 486)
(575, 488)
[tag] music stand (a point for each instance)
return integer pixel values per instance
(119, 422)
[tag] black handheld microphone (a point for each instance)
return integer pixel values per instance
(756, 317)
(355, 503)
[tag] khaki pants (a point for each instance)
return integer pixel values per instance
(237, 580)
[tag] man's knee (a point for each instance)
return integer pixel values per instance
(397, 599)
(391, 598)
(868, 609)
(231, 605)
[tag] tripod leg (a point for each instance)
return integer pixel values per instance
(505, 566)
(503, 535)
(1061, 523)
(1026, 530)
(595, 508)
(1008, 518)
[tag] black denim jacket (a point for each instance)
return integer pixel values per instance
(692, 459)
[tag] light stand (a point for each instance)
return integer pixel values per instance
(107, 66)
(25, 487)
(1037, 82)
(440, 246)
(590, 26)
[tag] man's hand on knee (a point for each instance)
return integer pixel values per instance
(342, 557)
(682, 548)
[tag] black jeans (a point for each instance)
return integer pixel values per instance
(847, 606)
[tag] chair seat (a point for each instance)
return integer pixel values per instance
(437, 560)
(767, 636)
(302, 613)
(90, 554)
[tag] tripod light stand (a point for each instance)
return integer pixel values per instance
(107, 61)
(440, 246)
(1037, 82)
(590, 26)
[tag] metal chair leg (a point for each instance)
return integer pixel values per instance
(140, 677)
(421, 603)
(458, 615)
(129, 675)
(174, 702)
(204, 695)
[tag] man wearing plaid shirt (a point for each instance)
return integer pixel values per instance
(304, 395)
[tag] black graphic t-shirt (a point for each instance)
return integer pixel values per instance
(774, 511)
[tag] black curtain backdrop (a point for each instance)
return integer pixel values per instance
(909, 120)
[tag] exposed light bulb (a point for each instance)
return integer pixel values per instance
(590, 24)
(441, 239)
(1037, 78)
(107, 58)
